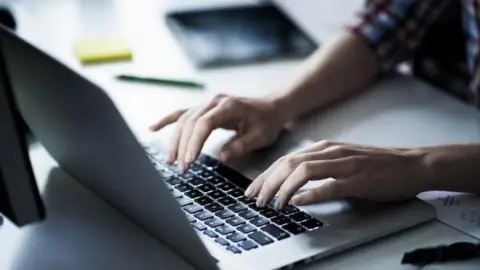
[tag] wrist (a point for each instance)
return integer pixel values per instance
(425, 163)
(283, 107)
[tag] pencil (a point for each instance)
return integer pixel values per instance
(162, 81)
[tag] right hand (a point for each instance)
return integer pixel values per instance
(257, 123)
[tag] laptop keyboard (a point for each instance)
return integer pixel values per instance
(211, 195)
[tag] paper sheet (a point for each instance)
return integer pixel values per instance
(459, 210)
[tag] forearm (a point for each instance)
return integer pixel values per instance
(453, 168)
(336, 70)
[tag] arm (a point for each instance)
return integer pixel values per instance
(387, 33)
(337, 69)
(453, 168)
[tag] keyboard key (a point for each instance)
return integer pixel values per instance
(192, 208)
(203, 215)
(235, 221)
(224, 214)
(280, 220)
(300, 216)
(206, 175)
(164, 173)
(199, 226)
(196, 168)
(275, 231)
(260, 238)
(293, 228)
(214, 207)
(312, 224)
(255, 207)
(174, 181)
(226, 186)
(211, 233)
(208, 161)
(214, 222)
(259, 221)
(224, 229)
(196, 181)
(248, 214)
(246, 228)
(269, 213)
(236, 237)
(247, 245)
(176, 194)
(204, 200)
(246, 200)
(184, 187)
(184, 201)
(237, 207)
(206, 188)
(236, 193)
(186, 176)
(217, 194)
(217, 180)
(193, 194)
(222, 241)
(191, 219)
(226, 200)
(173, 167)
(234, 249)
(289, 209)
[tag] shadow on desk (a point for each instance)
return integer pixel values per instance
(83, 232)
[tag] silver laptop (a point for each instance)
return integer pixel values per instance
(201, 215)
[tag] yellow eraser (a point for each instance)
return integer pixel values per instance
(102, 50)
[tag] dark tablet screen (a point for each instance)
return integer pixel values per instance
(233, 35)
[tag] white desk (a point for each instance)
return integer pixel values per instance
(82, 232)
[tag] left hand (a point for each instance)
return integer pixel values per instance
(373, 173)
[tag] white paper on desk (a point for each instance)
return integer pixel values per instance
(459, 210)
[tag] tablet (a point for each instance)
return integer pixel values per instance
(222, 36)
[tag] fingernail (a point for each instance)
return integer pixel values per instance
(188, 158)
(224, 156)
(249, 191)
(181, 166)
(296, 200)
(278, 205)
(260, 201)
(170, 158)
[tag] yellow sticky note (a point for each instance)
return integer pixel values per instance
(102, 50)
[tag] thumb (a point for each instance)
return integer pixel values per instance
(241, 145)
(331, 190)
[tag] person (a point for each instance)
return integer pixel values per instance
(426, 35)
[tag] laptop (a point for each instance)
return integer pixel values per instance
(202, 214)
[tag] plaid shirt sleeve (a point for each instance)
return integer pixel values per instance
(394, 28)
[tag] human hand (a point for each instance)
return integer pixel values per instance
(373, 173)
(257, 123)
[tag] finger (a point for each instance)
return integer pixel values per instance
(288, 165)
(257, 183)
(211, 120)
(187, 133)
(167, 120)
(318, 146)
(270, 184)
(242, 145)
(338, 168)
(175, 139)
(331, 190)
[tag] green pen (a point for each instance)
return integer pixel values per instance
(163, 81)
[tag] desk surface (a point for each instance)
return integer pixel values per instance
(82, 232)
